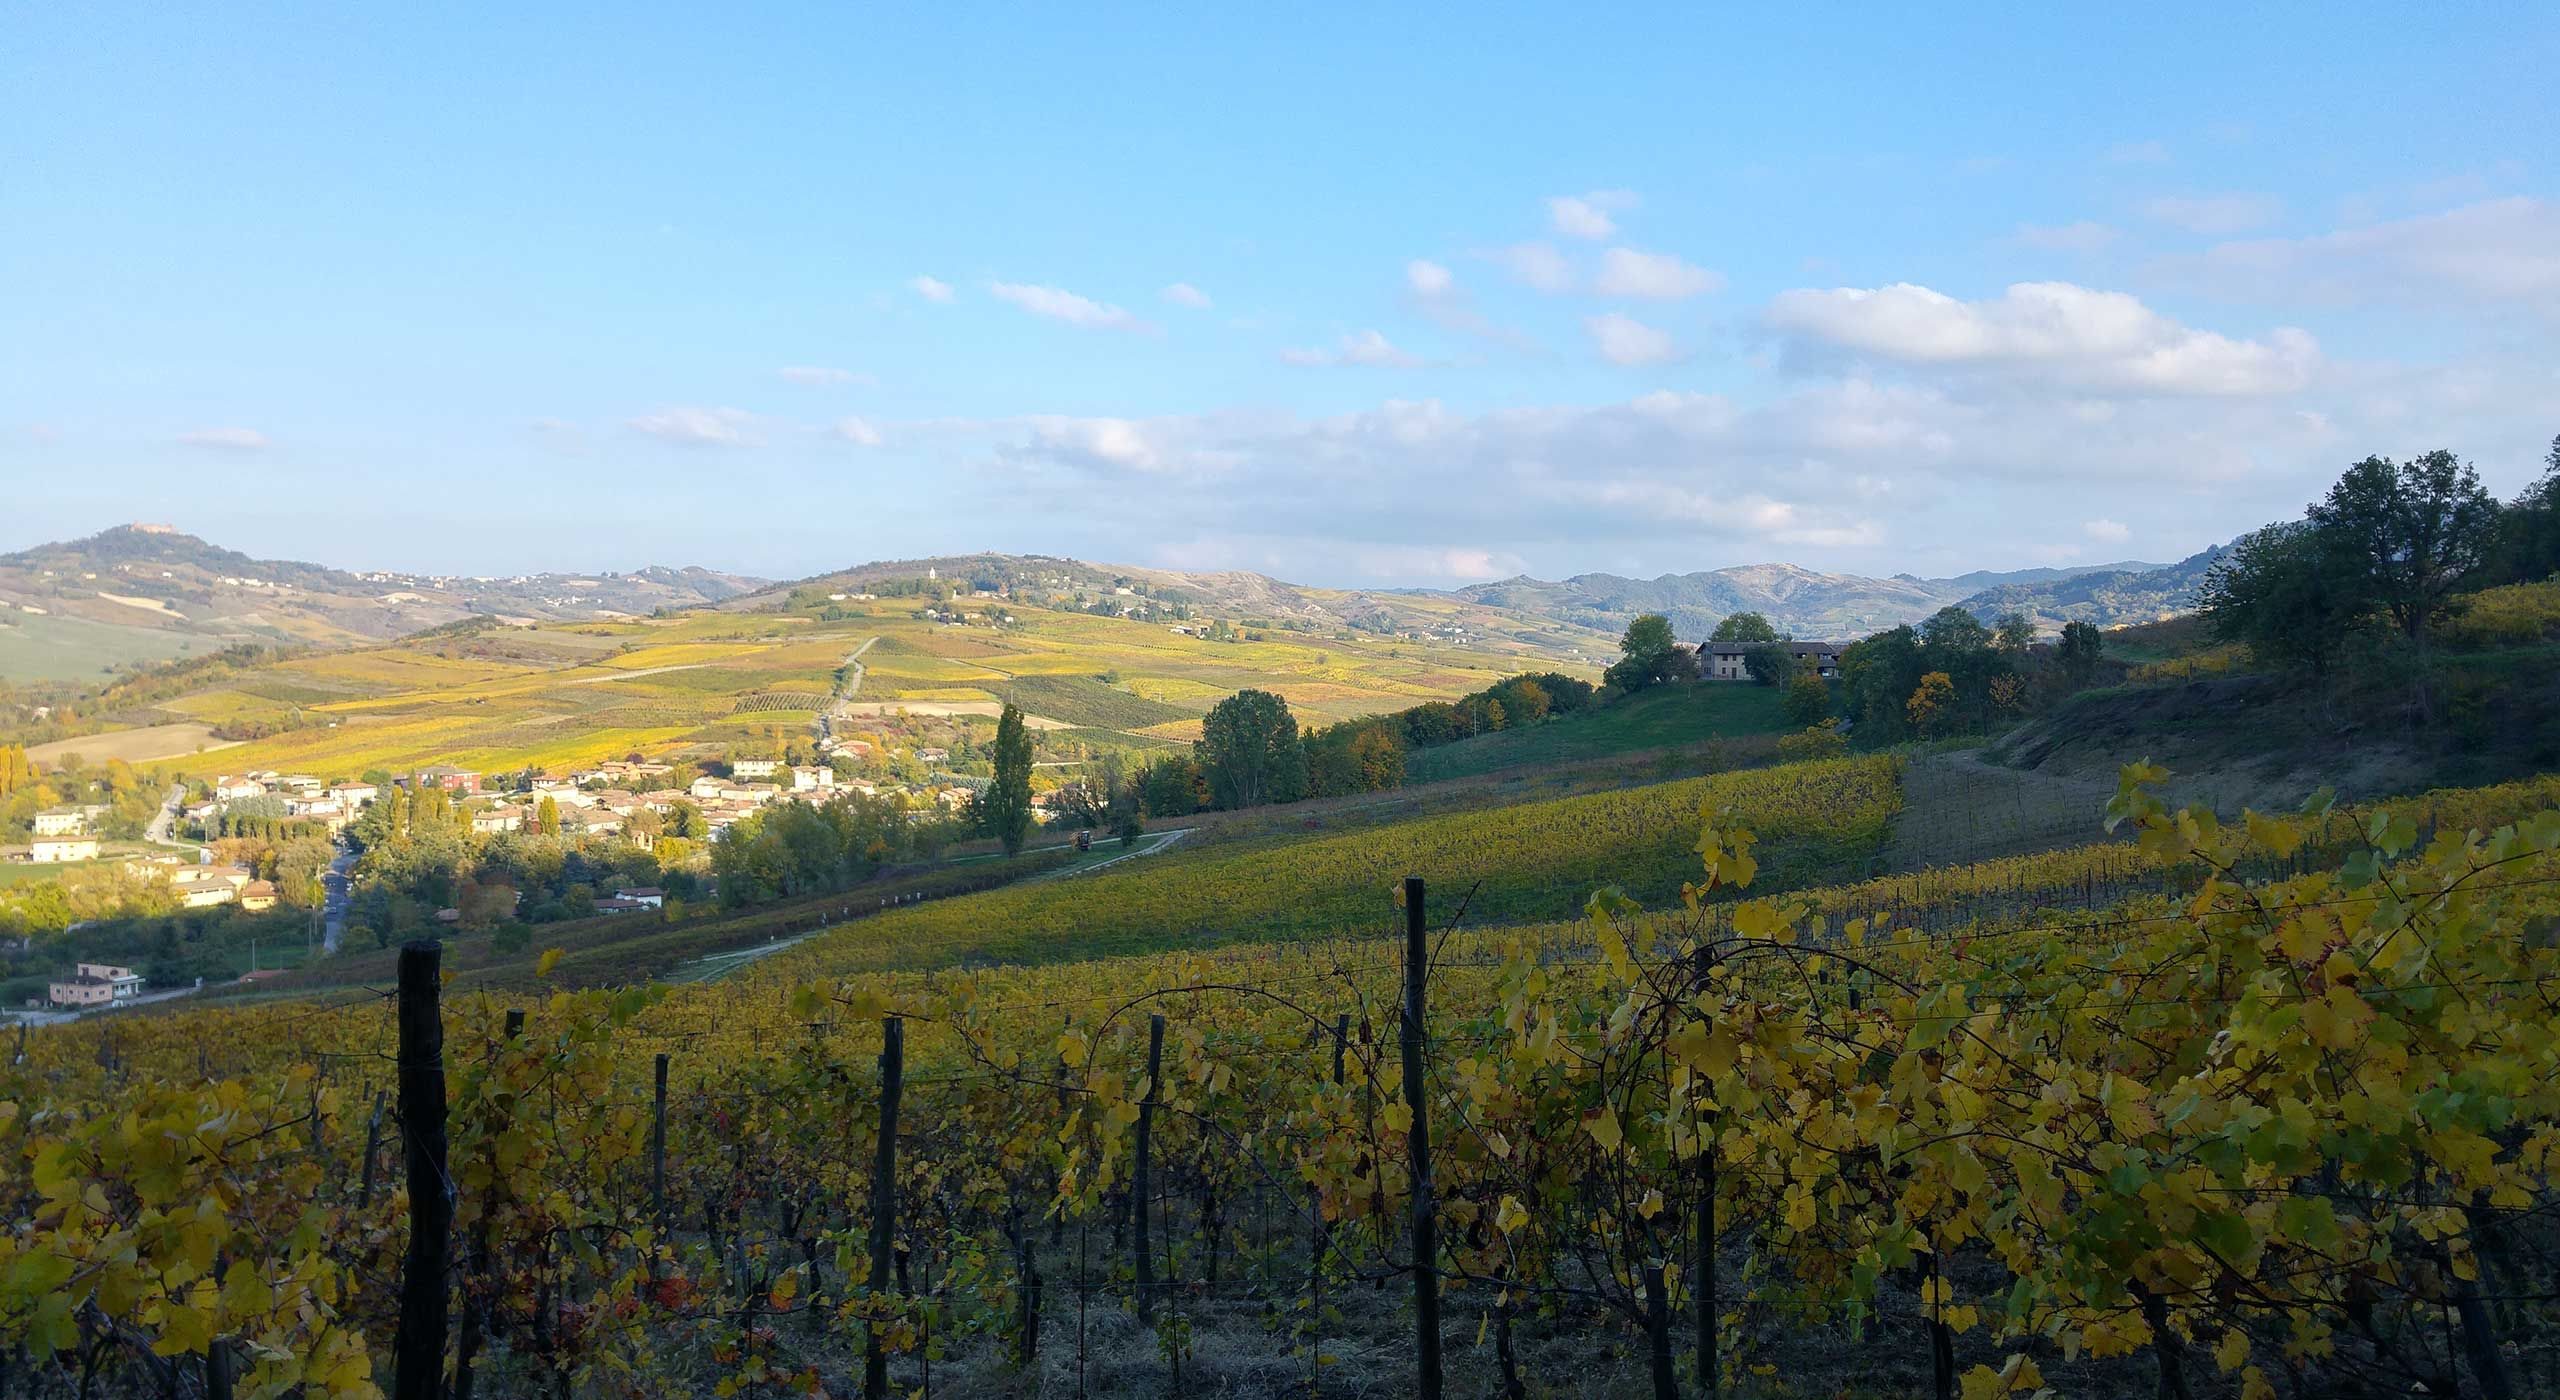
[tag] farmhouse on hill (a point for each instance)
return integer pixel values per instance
(1724, 660)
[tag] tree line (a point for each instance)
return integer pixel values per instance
(2380, 562)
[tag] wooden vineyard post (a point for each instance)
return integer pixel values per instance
(372, 1148)
(658, 1149)
(477, 1293)
(884, 1200)
(1657, 1331)
(1704, 1298)
(1942, 1342)
(1141, 1182)
(1426, 1224)
(418, 1371)
(217, 1352)
(1321, 1235)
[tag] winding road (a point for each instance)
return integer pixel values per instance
(837, 703)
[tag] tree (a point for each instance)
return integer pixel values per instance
(1876, 678)
(1808, 700)
(2078, 651)
(1770, 663)
(1649, 653)
(1744, 627)
(685, 822)
(1172, 786)
(1124, 804)
(2288, 592)
(1005, 807)
(1249, 751)
(2414, 530)
(1952, 629)
(546, 817)
(1931, 708)
(2529, 529)
(2014, 633)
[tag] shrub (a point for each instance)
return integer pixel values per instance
(1823, 740)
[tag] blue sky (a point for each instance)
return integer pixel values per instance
(1418, 297)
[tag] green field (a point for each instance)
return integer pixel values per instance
(1664, 717)
(51, 648)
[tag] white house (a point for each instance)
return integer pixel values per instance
(746, 769)
(60, 821)
(55, 850)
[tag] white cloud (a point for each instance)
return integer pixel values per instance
(1101, 443)
(2497, 253)
(1536, 265)
(1058, 304)
(2215, 213)
(2111, 531)
(931, 288)
(855, 429)
(818, 376)
(2055, 330)
(1587, 215)
(227, 439)
(1624, 272)
(1840, 471)
(1184, 294)
(1624, 340)
(1368, 348)
(700, 427)
(2084, 236)
(1426, 278)
(2137, 153)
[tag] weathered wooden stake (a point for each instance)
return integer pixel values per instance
(658, 1151)
(1704, 1294)
(372, 1148)
(418, 1370)
(1141, 1182)
(1426, 1221)
(217, 1353)
(1657, 1331)
(884, 1198)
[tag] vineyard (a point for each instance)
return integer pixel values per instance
(2285, 1133)
(1515, 864)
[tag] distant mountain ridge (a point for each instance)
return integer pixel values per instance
(144, 588)
(144, 591)
(1581, 615)
(1800, 601)
(2115, 596)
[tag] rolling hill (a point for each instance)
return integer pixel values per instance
(1796, 600)
(2115, 596)
(72, 609)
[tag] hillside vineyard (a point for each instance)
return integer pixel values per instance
(2298, 1115)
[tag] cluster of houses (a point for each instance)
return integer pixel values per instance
(305, 797)
(62, 834)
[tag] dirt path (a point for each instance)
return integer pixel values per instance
(987, 709)
(1957, 808)
(635, 675)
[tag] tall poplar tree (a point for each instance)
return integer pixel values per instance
(1006, 807)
